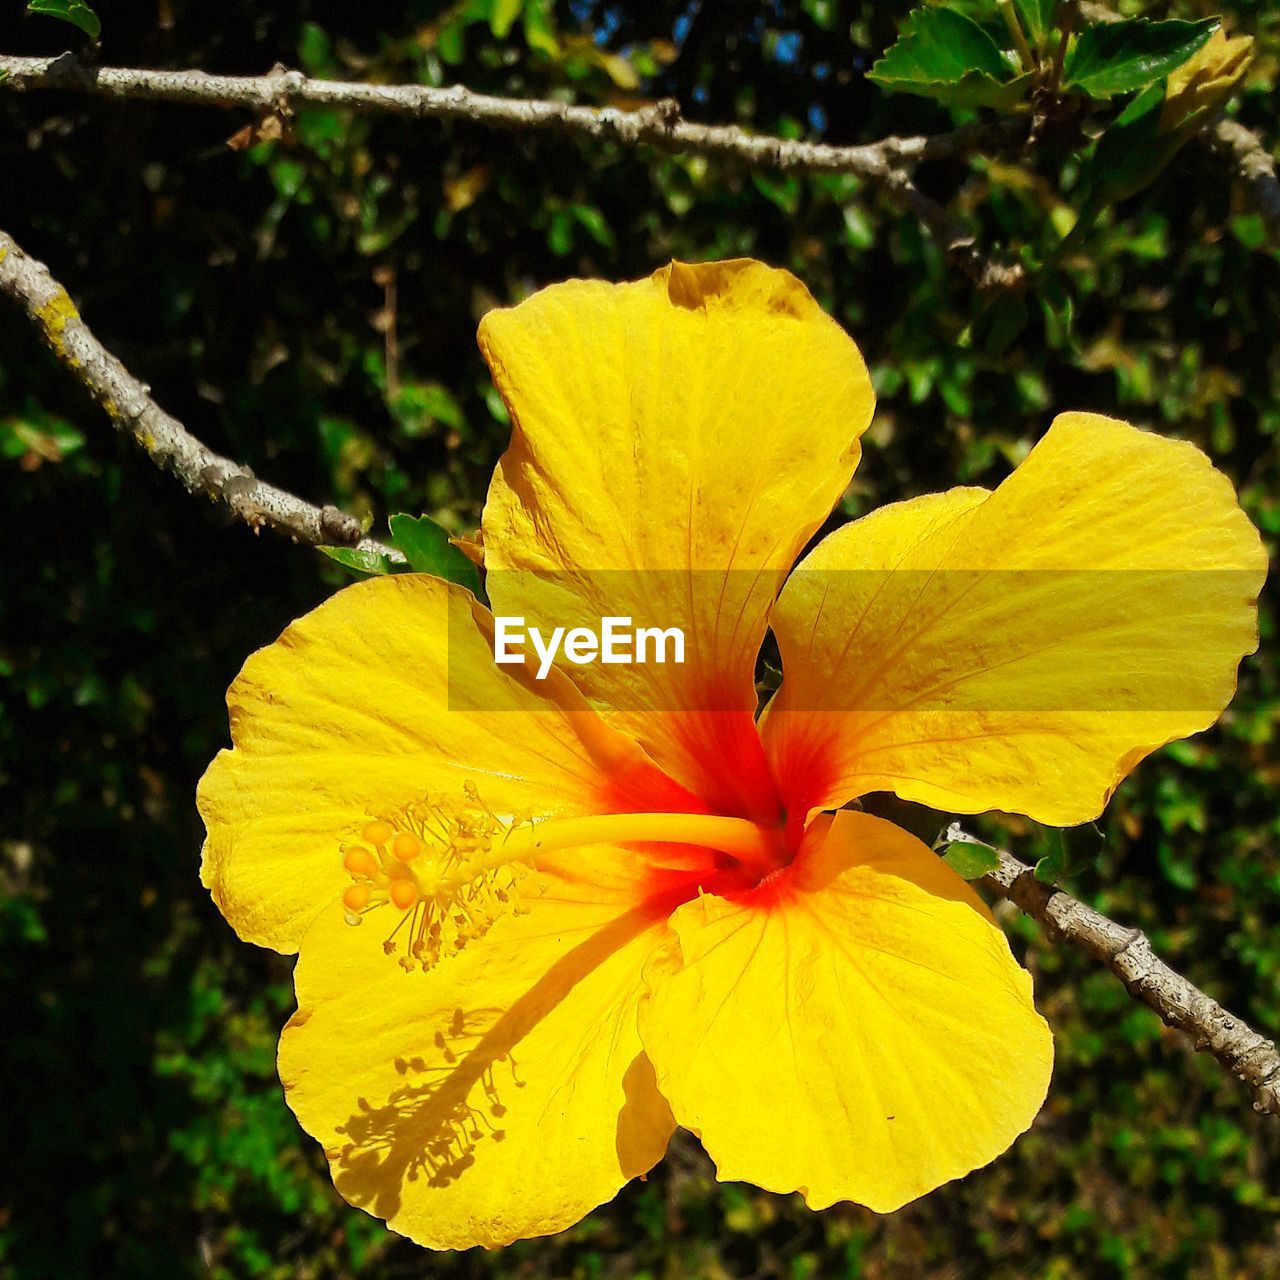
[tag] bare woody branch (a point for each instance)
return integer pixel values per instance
(958, 242)
(887, 162)
(658, 125)
(129, 405)
(1254, 166)
(1128, 954)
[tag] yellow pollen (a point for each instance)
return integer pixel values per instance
(356, 897)
(404, 893)
(377, 833)
(406, 846)
(360, 862)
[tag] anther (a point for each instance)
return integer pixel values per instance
(406, 846)
(404, 893)
(377, 833)
(356, 898)
(359, 861)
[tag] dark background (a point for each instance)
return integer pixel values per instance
(142, 1130)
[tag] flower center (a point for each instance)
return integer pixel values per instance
(445, 873)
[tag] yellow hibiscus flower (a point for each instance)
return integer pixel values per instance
(597, 906)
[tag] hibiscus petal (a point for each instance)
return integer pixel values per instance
(856, 1031)
(1020, 650)
(675, 443)
(363, 706)
(502, 1095)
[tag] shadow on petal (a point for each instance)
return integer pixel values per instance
(453, 1106)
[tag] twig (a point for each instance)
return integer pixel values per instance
(1127, 953)
(958, 243)
(1253, 165)
(658, 125)
(1017, 35)
(888, 162)
(1066, 21)
(167, 442)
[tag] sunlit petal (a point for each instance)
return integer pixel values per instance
(503, 1094)
(857, 1030)
(386, 694)
(675, 442)
(1021, 650)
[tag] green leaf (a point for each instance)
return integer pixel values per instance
(999, 322)
(75, 12)
(361, 561)
(970, 859)
(1057, 308)
(1130, 154)
(419, 406)
(1122, 57)
(502, 16)
(539, 30)
(1052, 867)
(590, 218)
(944, 55)
(1037, 17)
(1076, 847)
(427, 548)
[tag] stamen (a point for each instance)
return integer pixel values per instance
(406, 846)
(377, 833)
(404, 894)
(360, 862)
(450, 870)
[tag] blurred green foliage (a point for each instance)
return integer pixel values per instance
(307, 304)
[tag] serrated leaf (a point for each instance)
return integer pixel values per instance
(427, 548)
(363, 561)
(75, 12)
(1123, 57)
(944, 55)
(970, 859)
(1037, 17)
(977, 89)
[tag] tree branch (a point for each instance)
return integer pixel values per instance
(958, 242)
(167, 442)
(658, 125)
(886, 163)
(1253, 165)
(1127, 953)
